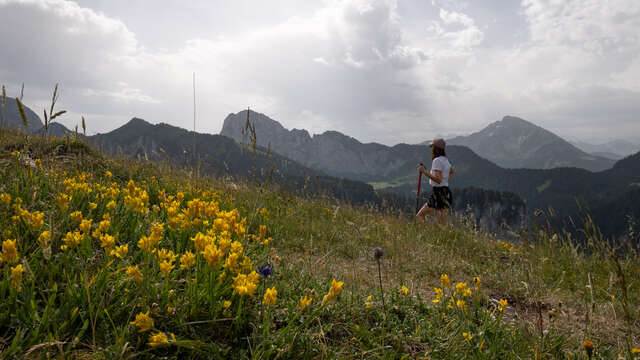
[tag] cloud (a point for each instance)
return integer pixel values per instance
(354, 66)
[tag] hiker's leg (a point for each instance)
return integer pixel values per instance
(442, 216)
(425, 211)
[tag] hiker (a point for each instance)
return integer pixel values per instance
(440, 200)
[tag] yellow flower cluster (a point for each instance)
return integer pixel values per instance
(136, 198)
(78, 184)
(245, 285)
(63, 202)
(71, 240)
(9, 251)
(270, 296)
(305, 302)
(5, 199)
(33, 219)
(143, 321)
(16, 276)
(133, 272)
(334, 291)
(149, 243)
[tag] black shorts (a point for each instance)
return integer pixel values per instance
(440, 198)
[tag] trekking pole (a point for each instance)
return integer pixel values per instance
(418, 193)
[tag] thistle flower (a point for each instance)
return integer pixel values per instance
(378, 253)
(143, 321)
(265, 270)
(270, 296)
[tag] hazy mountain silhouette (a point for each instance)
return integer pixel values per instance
(10, 117)
(517, 143)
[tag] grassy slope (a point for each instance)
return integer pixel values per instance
(557, 296)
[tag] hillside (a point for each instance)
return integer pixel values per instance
(10, 117)
(221, 156)
(517, 143)
(614, 149)
(106, 257)
(393, 169)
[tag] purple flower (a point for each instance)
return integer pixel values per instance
(265, 270)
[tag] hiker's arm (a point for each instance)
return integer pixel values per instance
(451, 172)
(436, 176)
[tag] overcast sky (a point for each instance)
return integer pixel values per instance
(387, 71)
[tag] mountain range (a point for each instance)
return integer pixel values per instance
(516, 143)
(337, 165)
(10, 117)
(613, 149)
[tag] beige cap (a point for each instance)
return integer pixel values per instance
(439, 143)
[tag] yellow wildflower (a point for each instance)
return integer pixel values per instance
(246, 284)
(334, 291)
(187, 260)
(477, 282)
(503, 304)
(15, 153)
(166, 267)
(305, 302)
(111, 205)
(404, 290)
(367, 303)
(467, 336)
(85, 226)
(108, 174)
(9, 251)
(5, 199)
(460, 304)
(212, 254)
(16, 276)
(166, 255)
(120, 251)
(44, 238)
(134, 273)
(143, 321)
(104, 225)
(107, 241)
(635, 351)
(158, 339)
(71, 239)
(226, 304)
(270, 296)
(444, 281)
(92, 206)
(76, 216)
(439, 295)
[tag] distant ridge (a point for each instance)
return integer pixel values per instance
(11, 117)
(516, 143)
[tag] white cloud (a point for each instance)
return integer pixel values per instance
(350, 65)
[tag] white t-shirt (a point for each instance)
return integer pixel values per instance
(442, 164)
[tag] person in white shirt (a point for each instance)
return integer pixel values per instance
(440, 200)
